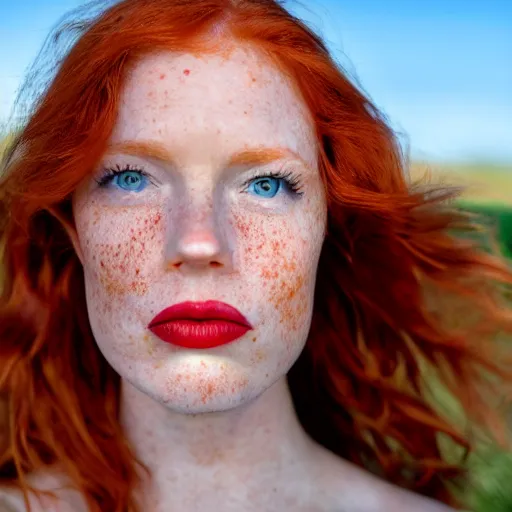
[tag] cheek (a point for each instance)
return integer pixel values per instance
(285, 277)
(282, 254)
(118, 246)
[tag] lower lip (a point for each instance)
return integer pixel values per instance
(199, 333)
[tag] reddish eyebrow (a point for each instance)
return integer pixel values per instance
(142, 149)
(263, 156)
(150, 149)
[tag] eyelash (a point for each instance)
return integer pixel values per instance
(112, 172)
(290, 179)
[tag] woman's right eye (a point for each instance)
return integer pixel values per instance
(129, 180)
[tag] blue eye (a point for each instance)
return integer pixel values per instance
(266, 186)
(131, 181)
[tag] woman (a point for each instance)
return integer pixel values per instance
(218, 281)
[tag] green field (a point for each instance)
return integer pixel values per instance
(483, 183)
(487, 190)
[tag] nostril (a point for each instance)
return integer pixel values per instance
(215, 264)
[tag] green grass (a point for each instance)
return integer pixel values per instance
(492, 490)
(497, 217)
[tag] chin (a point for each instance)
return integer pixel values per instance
(191, 405)
(195, 386)
(202, 401)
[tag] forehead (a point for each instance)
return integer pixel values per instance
(219, 103)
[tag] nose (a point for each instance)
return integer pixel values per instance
(199, 239)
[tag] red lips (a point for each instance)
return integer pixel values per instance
(199, 324)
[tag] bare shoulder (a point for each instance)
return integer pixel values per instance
(65, 500)
(400, 500)
(344, 487)
(11, 501)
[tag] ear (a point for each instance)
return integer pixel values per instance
(70, 229)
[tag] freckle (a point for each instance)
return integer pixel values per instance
(186, 72)
(245, 112)
(137, 271)
(254, 339)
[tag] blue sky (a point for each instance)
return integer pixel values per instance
(440, 69)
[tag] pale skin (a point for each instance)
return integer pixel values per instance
(216, 428)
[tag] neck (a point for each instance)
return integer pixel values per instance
(254, 445)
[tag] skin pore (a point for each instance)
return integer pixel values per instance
(210, 190)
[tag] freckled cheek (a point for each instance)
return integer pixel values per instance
(288, 288)
(119, 250)
(283, 258)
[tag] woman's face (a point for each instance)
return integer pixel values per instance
(209, 191)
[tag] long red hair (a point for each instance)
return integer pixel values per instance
(391, 257)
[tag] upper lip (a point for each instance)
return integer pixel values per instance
(208, 310)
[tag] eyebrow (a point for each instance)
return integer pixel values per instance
(250, 156)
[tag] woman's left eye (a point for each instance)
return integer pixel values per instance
(266, 186)
(269, 185)
(131, 181)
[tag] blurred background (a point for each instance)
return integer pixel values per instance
(441, 70)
